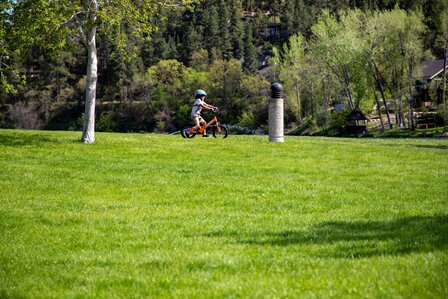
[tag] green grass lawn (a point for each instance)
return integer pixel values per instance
(136, 216)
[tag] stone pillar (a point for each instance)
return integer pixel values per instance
(276, 113)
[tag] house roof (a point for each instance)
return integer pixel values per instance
(356, 115)
(432, 68)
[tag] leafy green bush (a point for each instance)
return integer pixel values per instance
(106, 122)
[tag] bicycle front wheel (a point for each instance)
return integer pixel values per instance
(220, 132)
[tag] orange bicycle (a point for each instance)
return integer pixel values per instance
(219, 130)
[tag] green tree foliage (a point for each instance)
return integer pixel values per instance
(444, 22)
(236, 29)
(337, 44)
(231, 90)
(49, 25)
(295, 19)
(288, 20)
(9, 69)
(193, 42)
(212, 33)
(291, 63)
(250, 63)
(348, 50)
(353, 52)
(396, 49)
(435, 15)
(409, 34)
(225, 43)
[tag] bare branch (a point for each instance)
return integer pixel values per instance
(75, 15)
(8, 68)
(170, 5)
(83, 36)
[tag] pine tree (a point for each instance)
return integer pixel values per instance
(302, 21)
(225, 45)
(236, 29)
(212, 33)
(250, 51)
(172, 46)
(192, 41)
(287, 20)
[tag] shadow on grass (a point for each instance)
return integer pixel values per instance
(421, 146)
(436, 147)
(439, 147)
(29, 138)
(357, 239)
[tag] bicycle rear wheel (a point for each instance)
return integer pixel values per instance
(182, 133)
(220, 132)
(185, 133)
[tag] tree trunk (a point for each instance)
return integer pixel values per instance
(348, 90)
(380, 86)
(411, 101)
(88, 132)
(379, 108)
(445, 62)
(299, 104)
(326, 101)
(411, 115)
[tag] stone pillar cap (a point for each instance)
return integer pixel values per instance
(276, 90)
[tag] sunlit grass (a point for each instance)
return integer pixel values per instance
(161, 216)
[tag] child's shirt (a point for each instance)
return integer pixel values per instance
(197, 107)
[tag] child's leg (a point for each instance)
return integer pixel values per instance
(196, 124)
(203, 127)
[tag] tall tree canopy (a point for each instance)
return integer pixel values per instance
(51, 25)
(348, 50)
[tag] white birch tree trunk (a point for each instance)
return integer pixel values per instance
(299, 104)
(88, 132)
(445, 64)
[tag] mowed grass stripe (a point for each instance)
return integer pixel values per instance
(160, 216)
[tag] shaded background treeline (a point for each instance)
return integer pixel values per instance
(224, 47)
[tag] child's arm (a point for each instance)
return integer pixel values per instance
(208, 106)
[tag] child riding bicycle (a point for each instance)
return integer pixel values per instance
(198, 104)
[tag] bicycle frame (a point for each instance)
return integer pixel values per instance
(208, 125)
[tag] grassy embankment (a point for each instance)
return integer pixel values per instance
(158, 216)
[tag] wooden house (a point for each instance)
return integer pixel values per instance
(429, 86)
